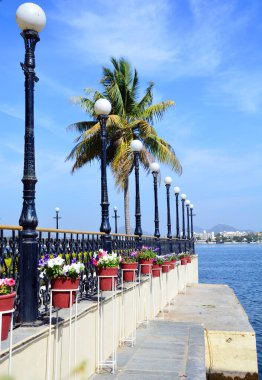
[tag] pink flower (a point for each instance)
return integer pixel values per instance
(94, 262)
(7, 282)
(10, 281)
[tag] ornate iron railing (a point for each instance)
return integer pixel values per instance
(70, 245)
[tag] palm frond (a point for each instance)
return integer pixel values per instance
(85, 151)
(163, 152)
(81, 126)
(147, 99)
(157, 111)
(142, 128)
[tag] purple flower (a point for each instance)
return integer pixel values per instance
(41, 263)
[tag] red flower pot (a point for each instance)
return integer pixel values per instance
(62, 299)
(183, 261)
(156, 269)
(6, 303)
(146, 266)
(172, 264)
(166, 266)
(188, 259)
(129, 275)
(105, 281)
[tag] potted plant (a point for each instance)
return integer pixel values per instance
(188, 257)
(173, 260)
(166, 266)
(106, 268)
(183, 258)
(7, 300)
(62, 276)
(129, 265)
(157, 266)
(146, 256)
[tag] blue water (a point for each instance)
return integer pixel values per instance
(240, 267)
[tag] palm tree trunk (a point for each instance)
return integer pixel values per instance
(126, 207)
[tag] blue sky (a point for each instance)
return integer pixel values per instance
(204, 54)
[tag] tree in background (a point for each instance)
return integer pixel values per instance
(131, 117)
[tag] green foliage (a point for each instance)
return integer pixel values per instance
(5, 289)
(183, 255)
(131, 116)
(146, 254)
(173, 257)
(158, 260)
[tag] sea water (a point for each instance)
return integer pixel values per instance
(240, 267)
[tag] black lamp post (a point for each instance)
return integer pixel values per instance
(192, 228)
(102, 109)
(155, 168)
(183, 198)
(188, 225)
(176, 191)
(115, 217)
(191, 217)
(136, 146)
(31, 20)
(57, 217)
(168, 181)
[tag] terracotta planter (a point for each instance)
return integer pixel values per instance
(188, 259)
(183, 261)
(166, 266)
(156, 269)
(7, 302)
(129, 275)
(172, 264)
(62, 299)
(105, 281)
(146, 266)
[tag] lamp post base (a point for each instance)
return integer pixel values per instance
(28, 281)
(107, 243)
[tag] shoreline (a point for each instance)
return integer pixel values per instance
(226, 242)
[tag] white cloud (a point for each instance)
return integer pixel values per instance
(240, 88)
(222, 170)
(154, 35)
(56, 86)
(16, 111)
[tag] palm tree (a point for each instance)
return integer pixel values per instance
(131, 118)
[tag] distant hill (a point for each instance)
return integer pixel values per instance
(216, 229)
(221, 228)
(198, 229)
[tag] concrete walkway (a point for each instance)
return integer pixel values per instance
(164, 350)
(205, 329)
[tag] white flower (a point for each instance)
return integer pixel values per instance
(50, 263)
(58, 260)
(65, 269)
(42, 274)
(76, 268)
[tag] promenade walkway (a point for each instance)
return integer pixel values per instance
(164, 350)
(205, 329)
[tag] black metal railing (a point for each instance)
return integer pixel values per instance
(79, 245)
